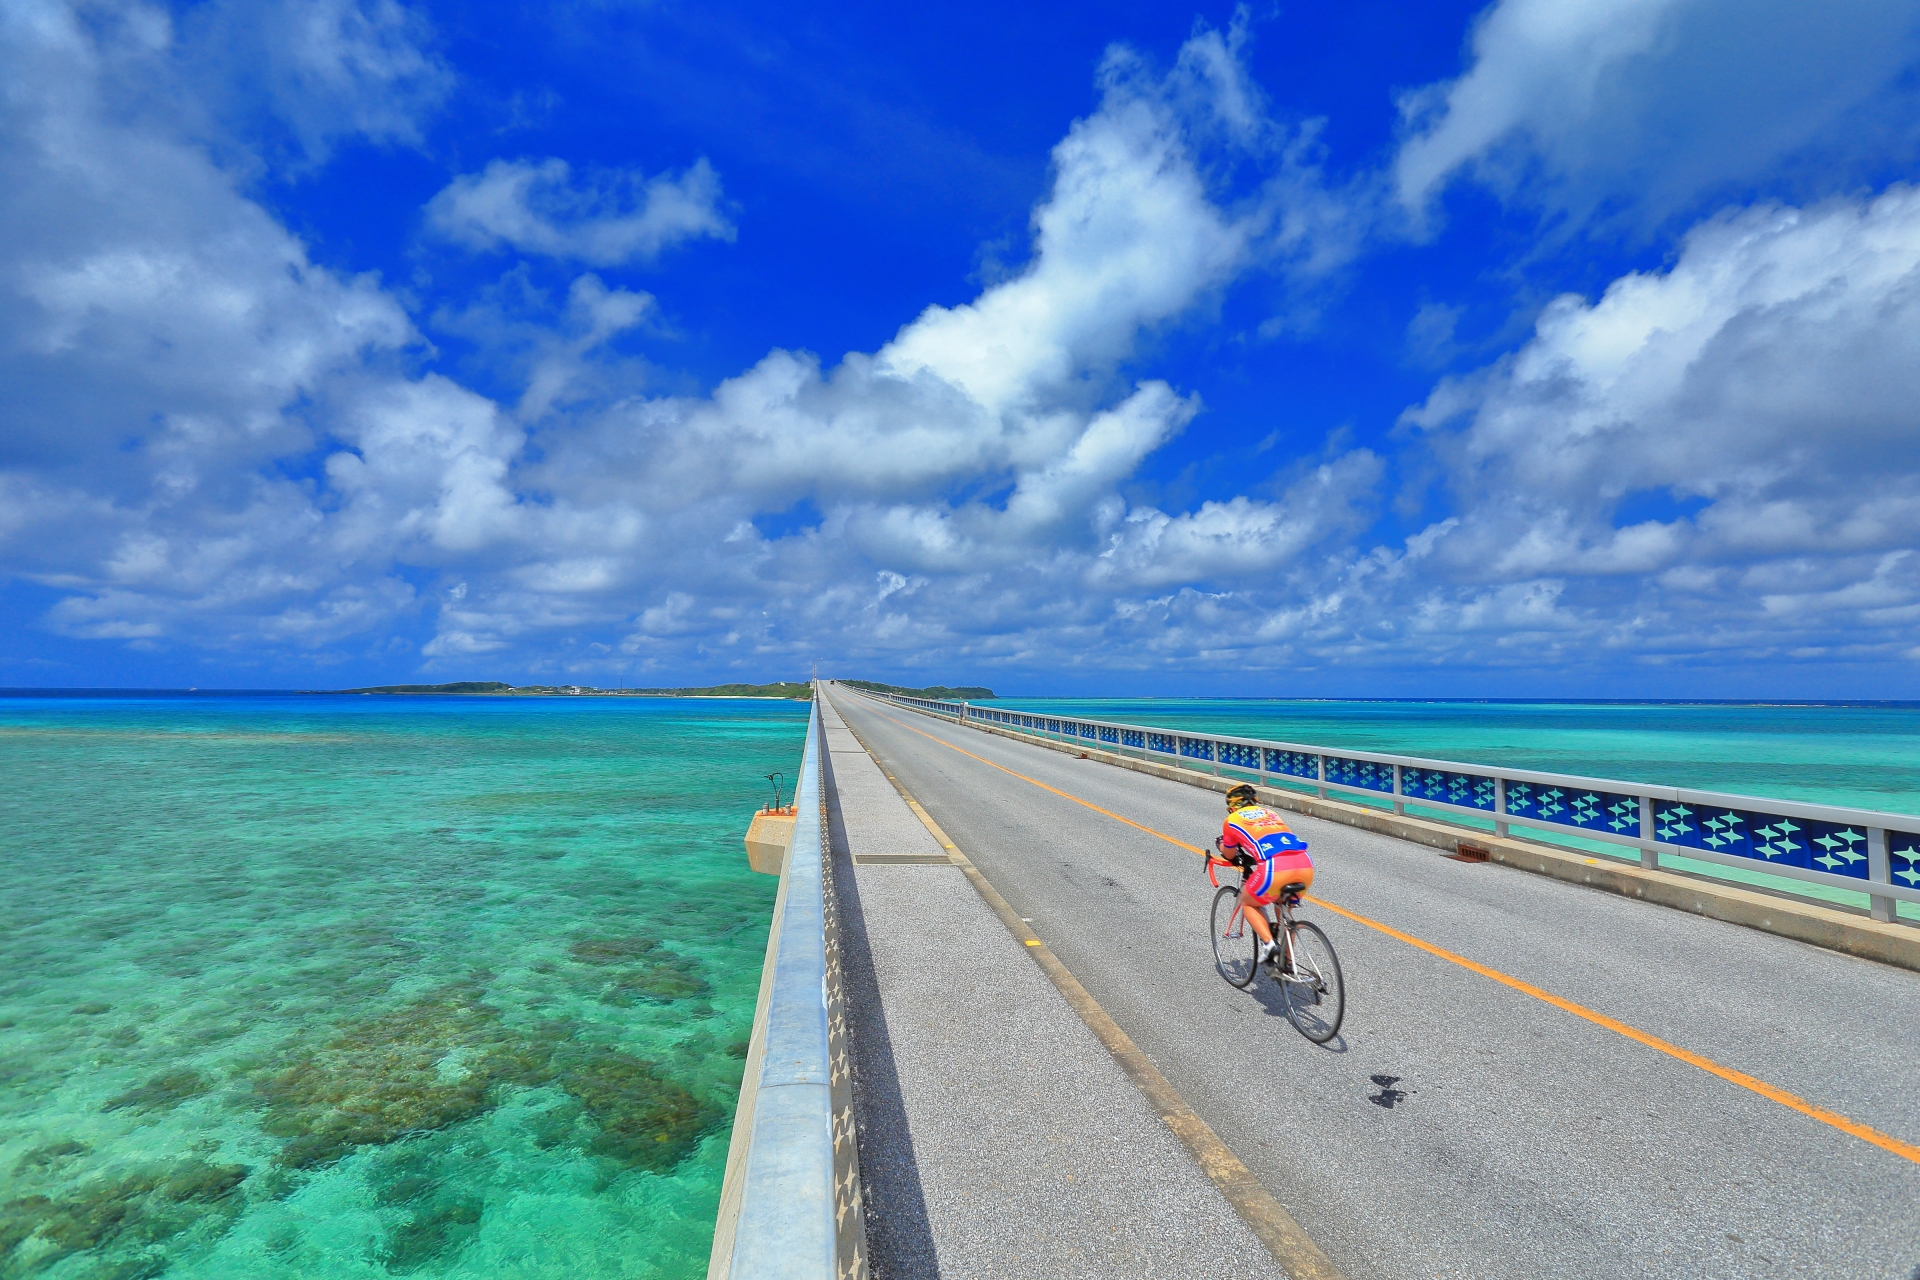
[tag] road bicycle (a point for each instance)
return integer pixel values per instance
(1304, 965)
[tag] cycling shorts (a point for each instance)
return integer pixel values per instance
(1270, 875)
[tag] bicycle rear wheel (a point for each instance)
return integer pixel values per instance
(1316, 995)
(1235, 945)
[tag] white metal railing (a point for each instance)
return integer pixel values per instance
(1864, 850)
(790, 1205)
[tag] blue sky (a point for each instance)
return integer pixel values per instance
(1536, 349)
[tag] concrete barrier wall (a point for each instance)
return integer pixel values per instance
(790, 1204)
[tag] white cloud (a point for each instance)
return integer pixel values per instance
(213, 441)
(606, 219)
(1773, 373)
(1644, 107)
(272, 477)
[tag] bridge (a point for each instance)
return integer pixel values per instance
(992, 1040)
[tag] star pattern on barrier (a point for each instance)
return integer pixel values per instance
(1776, 839)
(1519, 797)
(1625, 813)
(1549, 802)
(1672, 823)
(1723, 827)
(1839, 848)
(846, 1195)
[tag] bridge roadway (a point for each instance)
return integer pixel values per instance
(1457, 1127)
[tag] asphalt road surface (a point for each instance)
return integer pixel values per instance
(1457, 1127)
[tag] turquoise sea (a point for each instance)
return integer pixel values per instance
(339, 987)
(1863, 754)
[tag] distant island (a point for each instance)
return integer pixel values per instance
(793, 689)
(936, 692)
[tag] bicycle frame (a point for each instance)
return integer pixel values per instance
(1279, 922)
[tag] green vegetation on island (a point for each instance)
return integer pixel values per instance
(937, 692)
(464, 686)
(793, 689)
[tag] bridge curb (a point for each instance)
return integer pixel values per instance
(1887, 943)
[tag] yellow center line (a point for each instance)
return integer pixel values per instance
(1866, 1133)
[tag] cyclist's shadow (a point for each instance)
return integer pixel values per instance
(1266, 993)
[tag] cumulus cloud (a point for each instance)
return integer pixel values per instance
(214, 441)
(324, 69)
(604, 219)
(1643, 107)
(1768, 382)
(253, 465)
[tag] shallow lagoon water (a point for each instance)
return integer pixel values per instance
(370, 986)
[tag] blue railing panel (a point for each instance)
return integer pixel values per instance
(1295, 764)
(1578, 807)
(1468, 790)
(1365, 774)
(1240, 756)
(1836, 848)
(1196, 748)
(1903, 853)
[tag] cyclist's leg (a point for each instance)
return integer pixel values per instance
(1256, 915)
(1253, 893)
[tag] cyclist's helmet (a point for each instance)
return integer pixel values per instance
(1241, 796)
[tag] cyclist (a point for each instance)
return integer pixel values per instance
(1259, 842)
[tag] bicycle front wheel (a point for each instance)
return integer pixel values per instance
(1316, 995)
(1235, 945)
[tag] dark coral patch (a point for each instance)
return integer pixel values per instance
(423, 1067)
(136, 1209)
(48, 1156)
(644, 1120)
(611, 950)
(162, 1092)
(433, 1232)
(664, 980)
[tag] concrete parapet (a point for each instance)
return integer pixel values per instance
(790, 1205)
(1887, 942)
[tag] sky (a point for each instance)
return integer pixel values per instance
(1546, 348)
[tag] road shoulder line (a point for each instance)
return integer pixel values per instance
(1299, 1257)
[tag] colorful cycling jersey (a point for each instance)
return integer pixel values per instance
(1259, 831)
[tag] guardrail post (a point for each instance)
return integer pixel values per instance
(1649, 856)
(1879, 871)
(1399, 805)
(1322, 776)
(1262, 757)
(966, 710)
(1499, 806)
(1215, 753)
